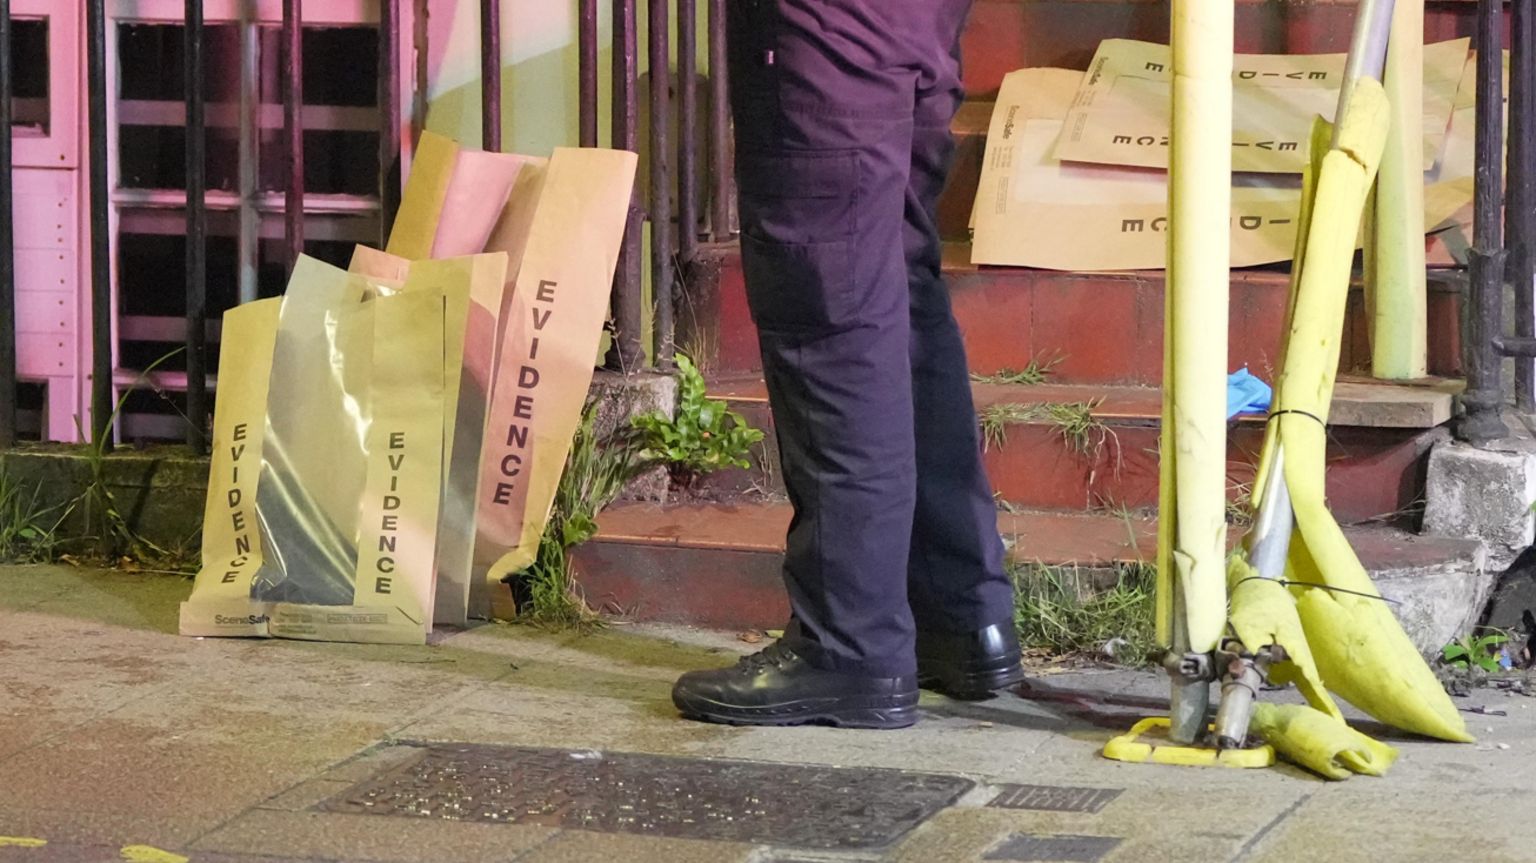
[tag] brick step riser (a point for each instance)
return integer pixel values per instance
(1097, 329)
(1372, 473)
(1004, 35)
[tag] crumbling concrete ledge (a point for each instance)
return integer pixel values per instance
(1485, 492)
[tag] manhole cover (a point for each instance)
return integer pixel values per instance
(1054, 798)
(1030, 848)
(787, 805)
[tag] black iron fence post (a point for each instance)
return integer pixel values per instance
(587, 70)
(1484, 397)
(626, 353)
(293, 125)
(7, 243)
(490, 75)
(389, 118)
(101, 271)
(687, 125)
(1520, 198)
(197, 231)
(719, 126)
(661, 186)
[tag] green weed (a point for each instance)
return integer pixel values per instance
(595, 473)
(704, 435)
(1083, 433)
(28, 528)
(1035, 373)
(1055, 608)
(1481, 651)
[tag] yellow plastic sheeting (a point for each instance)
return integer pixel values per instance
(1319, 742)
(1360, 649)
(1199, 196)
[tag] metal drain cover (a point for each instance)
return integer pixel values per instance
(1031, 848)
(1054, 798)
(785, 805)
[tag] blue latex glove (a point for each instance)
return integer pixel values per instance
(1246, 394)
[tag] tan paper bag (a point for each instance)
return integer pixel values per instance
(453, 199)
(221, 603)
(1033, 210)
(566, 246)
(1120, 114)
(472, 286)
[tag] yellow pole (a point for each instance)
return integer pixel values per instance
(1395, 249)
(1199, 260)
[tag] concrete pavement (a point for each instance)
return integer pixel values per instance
(120, 740)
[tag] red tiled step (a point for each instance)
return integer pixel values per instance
(719, 565)
(1375, 465)
(1004, 35)
(1101, 328)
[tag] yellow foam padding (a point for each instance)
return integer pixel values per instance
(1192, 548)
(1395, 276)
(1317, 148)
(1131, 748)
(1321, 743)
(1262, 613)
(1361, 650)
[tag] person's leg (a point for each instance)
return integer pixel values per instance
(956, 580)
(823, 99)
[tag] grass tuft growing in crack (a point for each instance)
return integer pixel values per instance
(1061, 610)
(1084, 433)
(1035, 373)
(28, 529)
(596, 471)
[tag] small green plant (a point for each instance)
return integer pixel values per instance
(1481, 651)
(1055, 608)
(28, 528)
(703, 437)
(113, 536)
(1034, 373)
(596, 471)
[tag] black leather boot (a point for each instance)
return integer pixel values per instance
(777, 687)
(972, 664)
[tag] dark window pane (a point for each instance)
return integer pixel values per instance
(152, 274)
(29, 74)
(335, 162)
(150, 62)
(154, 157)
(340, 66)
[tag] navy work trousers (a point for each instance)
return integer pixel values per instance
(842, 112)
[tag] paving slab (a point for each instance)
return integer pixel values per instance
(116, 732)
(336, 836)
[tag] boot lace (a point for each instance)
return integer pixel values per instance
(774, 655)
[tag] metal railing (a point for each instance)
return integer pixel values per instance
(672, 254)
(1503, 249)
(674, 168)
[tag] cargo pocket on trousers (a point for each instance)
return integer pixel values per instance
(798, 219)
(798, 287)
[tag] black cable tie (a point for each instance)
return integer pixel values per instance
(1287, 583)
(1307, 414)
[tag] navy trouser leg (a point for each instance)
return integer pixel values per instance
(826, 98)
(956, 580)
